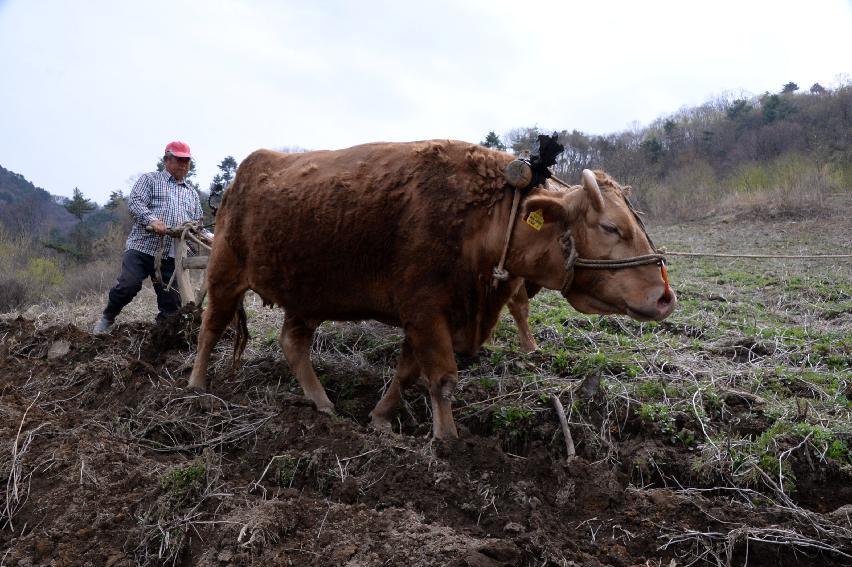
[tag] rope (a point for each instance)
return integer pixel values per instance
(158, 260)
(627, 263)
(185, 228)
(569, 251)
(779, 256)
(183, 231)
(572, 260)
(500, 274)
(661, 253)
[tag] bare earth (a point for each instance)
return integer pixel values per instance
(105, 460)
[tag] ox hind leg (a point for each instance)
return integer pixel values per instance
(432, 344)
(407, 372)
(225, 294)
(519, 307)
(296, 337)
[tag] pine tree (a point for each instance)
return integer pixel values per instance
(221, 181)
(789, 88)
(228, 167)
(79, 206)
(115, 198)
(493, 141)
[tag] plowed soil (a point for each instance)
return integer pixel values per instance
(106, 460)
(97, 435)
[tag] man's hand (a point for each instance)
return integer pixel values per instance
(158, 226)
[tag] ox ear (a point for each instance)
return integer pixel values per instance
(590, 186)
(542, 209)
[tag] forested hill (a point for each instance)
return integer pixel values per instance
(722, 135)
(27, 209)
(31, 212)
(786, 149)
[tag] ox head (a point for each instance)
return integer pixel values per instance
(603, 227)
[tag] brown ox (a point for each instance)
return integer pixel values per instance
(408, 234)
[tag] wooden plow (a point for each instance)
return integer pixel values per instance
(183, 235)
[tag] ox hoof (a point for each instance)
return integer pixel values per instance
(327, 410)
(380, 424)
(202, 400)
(527, 349)
(205, 402)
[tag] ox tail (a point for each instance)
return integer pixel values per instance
(241, 338)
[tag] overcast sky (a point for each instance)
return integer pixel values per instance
(91, 91)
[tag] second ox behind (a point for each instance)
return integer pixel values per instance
(409, 234)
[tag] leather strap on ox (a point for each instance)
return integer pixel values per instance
(500, 274)
(523, 174)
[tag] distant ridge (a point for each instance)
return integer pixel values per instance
(27, 209)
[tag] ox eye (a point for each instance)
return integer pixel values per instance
(610, 229)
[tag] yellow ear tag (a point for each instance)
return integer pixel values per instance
(535, 219)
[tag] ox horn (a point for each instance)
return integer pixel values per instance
(518, 173)
(590, 184)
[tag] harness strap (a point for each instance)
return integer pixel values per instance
(500, 274)
(572, 259)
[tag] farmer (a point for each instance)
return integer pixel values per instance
(160, 199)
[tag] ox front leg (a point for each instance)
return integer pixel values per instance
(433, 348)
(407, 371)
(296, 338)
(223, 304)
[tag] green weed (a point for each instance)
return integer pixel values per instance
(512, 420)
(286, 470)
(182, 482)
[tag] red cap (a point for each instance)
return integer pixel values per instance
(178, 149)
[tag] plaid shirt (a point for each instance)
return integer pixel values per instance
(159, 196)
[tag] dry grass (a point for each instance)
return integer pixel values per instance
(17, 474)
(741, 396)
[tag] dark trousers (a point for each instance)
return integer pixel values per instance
(135, 267)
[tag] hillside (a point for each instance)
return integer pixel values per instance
(792, 147)
(27, 209)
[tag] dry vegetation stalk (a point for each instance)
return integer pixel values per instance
(570, 452)
(18, 484)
